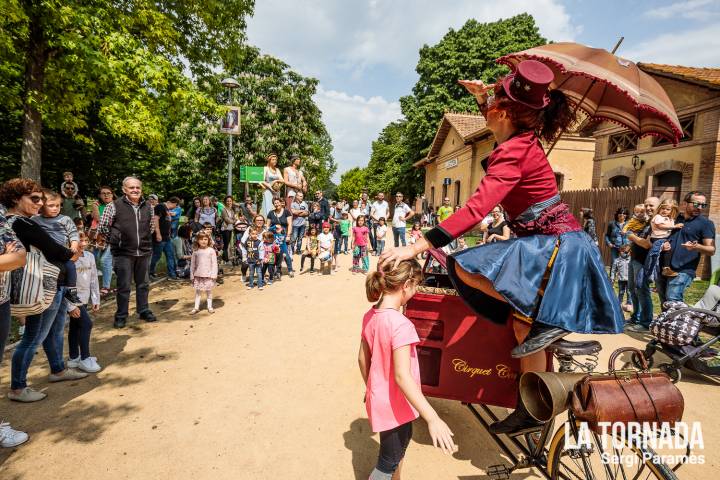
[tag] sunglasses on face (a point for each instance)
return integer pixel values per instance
(699, 205)
(36, 198)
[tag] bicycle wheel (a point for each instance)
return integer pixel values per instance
(588, 464)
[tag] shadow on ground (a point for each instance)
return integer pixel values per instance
(63, 415)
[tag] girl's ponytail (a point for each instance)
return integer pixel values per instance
(388, 279)
(374, 286)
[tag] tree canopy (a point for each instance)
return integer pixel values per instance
(466, 53)
(106, 89)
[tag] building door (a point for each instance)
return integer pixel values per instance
(667, 185)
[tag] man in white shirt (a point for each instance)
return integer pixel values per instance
(401, 214)
(379, 209)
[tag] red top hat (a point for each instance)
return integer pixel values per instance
(528, 84)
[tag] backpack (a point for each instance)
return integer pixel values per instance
(33, 287)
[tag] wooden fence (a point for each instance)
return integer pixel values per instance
(604, 202)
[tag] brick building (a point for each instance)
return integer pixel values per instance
(621, 159)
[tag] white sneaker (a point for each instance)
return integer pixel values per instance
(89, 365)
(10, 438)
(73, 362)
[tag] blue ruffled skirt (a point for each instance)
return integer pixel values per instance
(578, 296)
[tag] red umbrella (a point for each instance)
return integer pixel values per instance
(606, 87)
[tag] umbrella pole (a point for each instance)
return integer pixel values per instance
(577, 105)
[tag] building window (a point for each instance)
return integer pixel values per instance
(445, 193)
(688, 130)
(667, 184)
(432, 196)
(559, 180)
(457, 192)
(622, 142)
(619, 181)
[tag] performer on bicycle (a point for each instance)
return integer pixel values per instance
(552, 275)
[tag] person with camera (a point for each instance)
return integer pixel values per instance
(72, 203)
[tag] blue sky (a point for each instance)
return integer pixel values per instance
(364, 52)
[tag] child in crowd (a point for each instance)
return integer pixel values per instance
(270, 251)
(461, 244)
(253, 254)
(241, 225)
(389, 366)
(415, 233)
(344, 232)
(662, 226)
(216, 243)
(281, 241)
(619, 271)
(359, 245)
(326, 245)
(637, 221)
(68, 178)
(380, 232)
(62, 229)
(203, 270)
(79, 224)
(315, 218)
(81, 324)
(311, 249)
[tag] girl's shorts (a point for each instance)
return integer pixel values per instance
(393, 444)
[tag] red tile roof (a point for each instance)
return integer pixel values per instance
(466, 124)
(705, 76)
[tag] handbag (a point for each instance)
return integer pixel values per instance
(626, 396)
(33, 287)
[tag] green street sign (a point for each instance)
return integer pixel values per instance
(252, 174)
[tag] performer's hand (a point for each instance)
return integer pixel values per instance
(396, 255)
(477, 88)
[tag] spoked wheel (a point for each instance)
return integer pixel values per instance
(605, 458)
(673, 372)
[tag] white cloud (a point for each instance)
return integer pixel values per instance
(354, 122)
(340, 41)
(696, 47)
(690, 9)
(317, 35)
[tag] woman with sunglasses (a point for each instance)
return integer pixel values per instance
(23, 199)
(551, 278)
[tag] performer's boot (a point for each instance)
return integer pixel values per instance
(517, 421)
(538, 339)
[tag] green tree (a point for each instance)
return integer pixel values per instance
(64, 60)
(468, 53)
(352, 183)
(390, 168)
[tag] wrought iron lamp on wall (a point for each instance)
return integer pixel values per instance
(637, 164)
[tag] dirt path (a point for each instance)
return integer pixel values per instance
(267, 388)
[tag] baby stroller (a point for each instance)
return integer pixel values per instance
(677, 334)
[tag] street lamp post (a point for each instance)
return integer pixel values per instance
(231, 84)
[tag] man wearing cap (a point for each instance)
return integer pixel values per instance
(294, 180)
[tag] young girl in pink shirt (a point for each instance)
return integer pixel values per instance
(389, 366)
(203, 270)
(360, 240)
